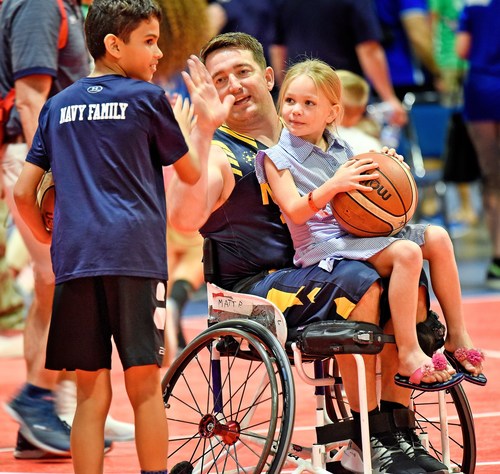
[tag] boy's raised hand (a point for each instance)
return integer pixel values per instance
(183, 112)
(209, 109)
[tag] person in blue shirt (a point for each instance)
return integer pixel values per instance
(346, 34)
(478, 41)
(408, 44)
(106, 139)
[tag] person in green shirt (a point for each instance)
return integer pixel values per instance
(445, 14)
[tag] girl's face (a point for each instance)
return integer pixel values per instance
(306, 109)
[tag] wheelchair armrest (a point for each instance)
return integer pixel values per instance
(319, 339)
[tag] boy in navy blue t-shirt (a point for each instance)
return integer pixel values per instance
(106, 139)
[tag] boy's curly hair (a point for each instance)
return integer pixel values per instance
(183, 31)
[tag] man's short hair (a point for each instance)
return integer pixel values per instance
(235, 41)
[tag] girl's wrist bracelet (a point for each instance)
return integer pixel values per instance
(311, 203)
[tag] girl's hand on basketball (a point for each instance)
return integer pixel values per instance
(392, 152)
(353, 173)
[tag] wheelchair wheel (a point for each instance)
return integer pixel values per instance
(225, 404)
(461, 433)
(286, 388)
(461, 438)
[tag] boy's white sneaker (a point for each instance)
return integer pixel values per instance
(114, 430)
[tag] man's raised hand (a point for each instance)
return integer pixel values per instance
(209, 109)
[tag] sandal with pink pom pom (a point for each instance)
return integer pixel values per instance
(474, 356)
(415, 380)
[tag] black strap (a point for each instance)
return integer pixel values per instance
(338, 431)
(210, 267)
(404, 418)
(385, 422)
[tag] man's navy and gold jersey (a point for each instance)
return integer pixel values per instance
(250, 239)
(248, 230)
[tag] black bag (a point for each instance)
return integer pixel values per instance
(431, 333)
(327, 338)
(460, 157)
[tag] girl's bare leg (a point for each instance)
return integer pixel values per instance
(402, 263)
(438, 251)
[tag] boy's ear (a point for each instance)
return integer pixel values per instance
(112, 44)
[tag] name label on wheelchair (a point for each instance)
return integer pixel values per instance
(232, 305)
(224, 305)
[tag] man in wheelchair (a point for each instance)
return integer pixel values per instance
(254, 249)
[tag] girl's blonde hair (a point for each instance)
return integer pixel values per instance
(324, 78)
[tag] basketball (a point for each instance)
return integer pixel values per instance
(383, 211)
(46, 197)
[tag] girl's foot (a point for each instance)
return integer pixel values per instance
(469, 363)
(461, 350)
(429, 370)
(431, 376)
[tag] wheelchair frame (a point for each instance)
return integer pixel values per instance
(230, 431)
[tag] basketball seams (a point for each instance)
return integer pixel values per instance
(393, 223)
(373, 208)
(414, 190)
(44, 194)
(409, 182)
(348, 226)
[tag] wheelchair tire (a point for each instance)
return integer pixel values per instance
(461, 432)
(225, 406)
(286, 388)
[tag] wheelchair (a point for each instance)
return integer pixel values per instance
(230, 396)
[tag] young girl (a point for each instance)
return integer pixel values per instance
(305, 170)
